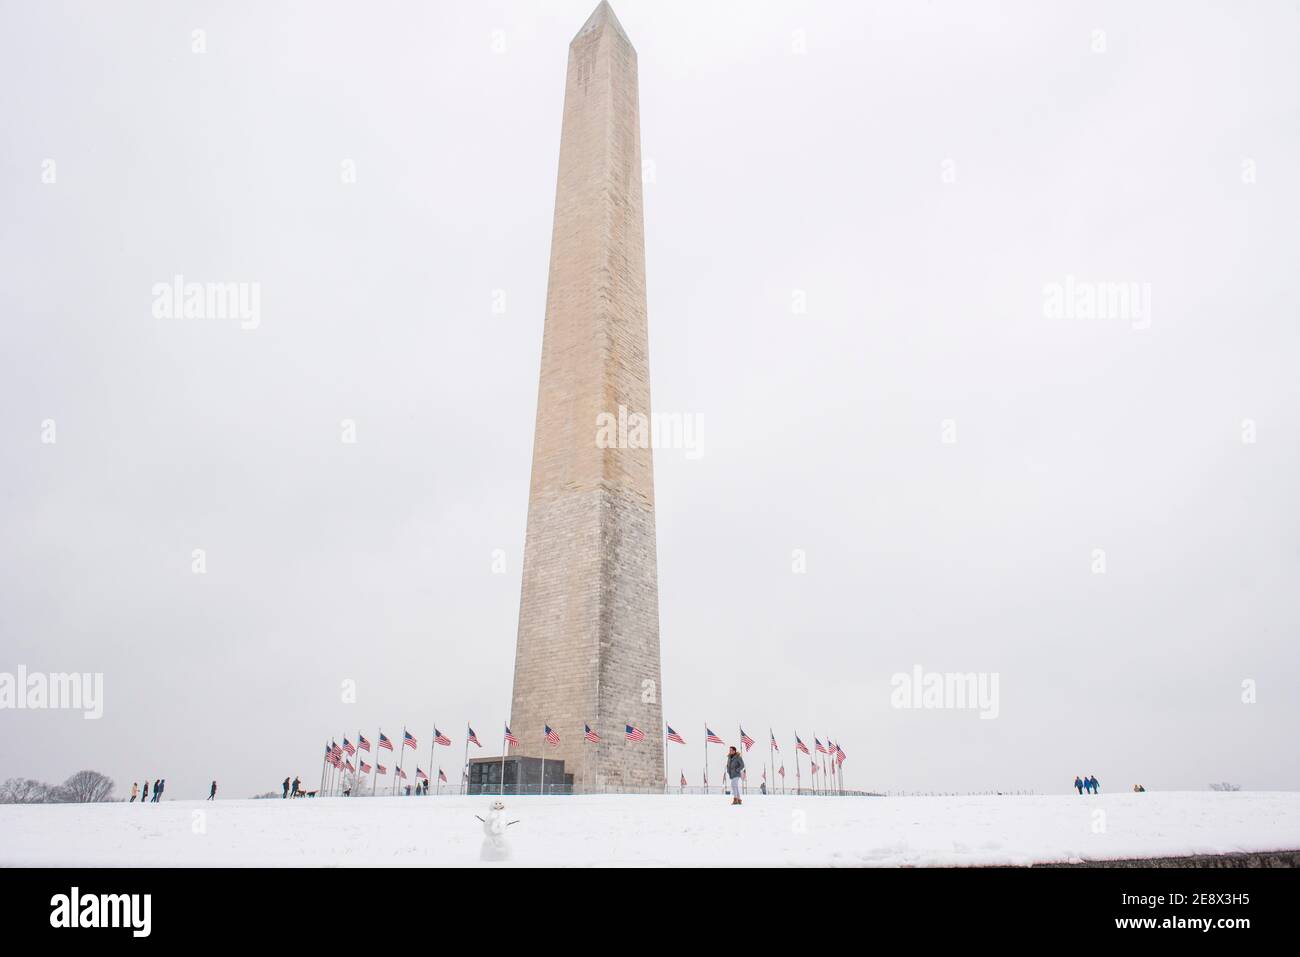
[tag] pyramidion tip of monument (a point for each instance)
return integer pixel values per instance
(601, 18)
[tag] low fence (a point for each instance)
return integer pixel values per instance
(715, 791)
(559, 789)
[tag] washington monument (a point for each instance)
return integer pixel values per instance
(588, 647)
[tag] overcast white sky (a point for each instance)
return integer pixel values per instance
(918, 171)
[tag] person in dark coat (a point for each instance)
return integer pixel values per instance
(735, 768)
(284, 793)
(1078, 784)
(157, 791)
(212, 791)
(144, 798)
(297, 790)
(1096, 786)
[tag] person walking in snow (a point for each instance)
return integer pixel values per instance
(158, 790)
(296, 791)
(284, 790)
(1096, 787)
(1078, 784)
(735, 768)
(144, 797)
(135, 792)
(212, 791)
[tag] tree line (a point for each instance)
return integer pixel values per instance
(84, 787)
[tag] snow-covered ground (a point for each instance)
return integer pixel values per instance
(652, 830)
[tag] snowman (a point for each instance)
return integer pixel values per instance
(495, 847)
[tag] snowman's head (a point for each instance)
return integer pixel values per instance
(498, 805)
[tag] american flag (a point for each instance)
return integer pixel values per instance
(381, 769)
(764, 773)
(365, 768)
(473, 738)
(839, 754)
(384, 742)
(746, 740)
(362, 743)
(775, 746)
(408, 739)
(683, 779)
(552, 736)
(589, 735)
(336, 751)
(781, 771)
(710, 737)
(420, 774)
(440, 738)
(821, 748)
(800, 746)
(510, 738)
(348, 765)
(401, 774)
(348, 748)
(673, 735)
(442, 777)
(814, 767)
(633, 733)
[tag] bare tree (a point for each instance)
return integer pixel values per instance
(24, 791)
(87, 787)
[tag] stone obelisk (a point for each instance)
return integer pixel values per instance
(588, 647)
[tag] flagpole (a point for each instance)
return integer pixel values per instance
(541, 785)
(401, 756)
(433, 743)
(706, 758)
(464, 771)
(323, 766)
(503, 763)
(798, 776)
(771, 756)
